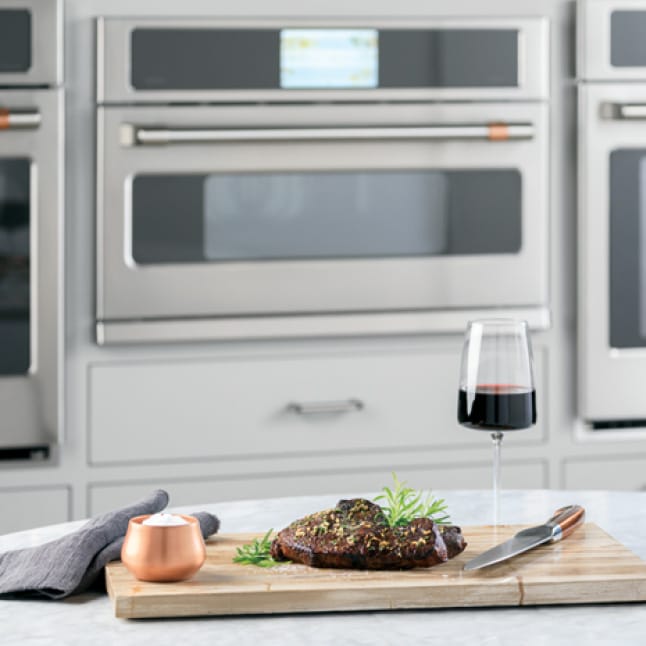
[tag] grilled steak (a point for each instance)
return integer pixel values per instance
(356, 534)
(453, 540)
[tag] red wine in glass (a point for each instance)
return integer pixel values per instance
(500, 407)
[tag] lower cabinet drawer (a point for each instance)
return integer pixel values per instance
(176, 411)
(29, 508)
(620, 473)
(516, 475)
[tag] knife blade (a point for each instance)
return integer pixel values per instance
(564, 521)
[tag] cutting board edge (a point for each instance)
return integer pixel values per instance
(620, 590)
(299, 602)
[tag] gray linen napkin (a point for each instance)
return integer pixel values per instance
(71, 564)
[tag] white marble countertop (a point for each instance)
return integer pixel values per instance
(89, 618)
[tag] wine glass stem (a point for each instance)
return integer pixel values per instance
(497, 440)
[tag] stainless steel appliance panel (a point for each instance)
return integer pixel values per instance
(119, 50)
(142, 149)
(31, 39)
(610, 40)
(31, 242)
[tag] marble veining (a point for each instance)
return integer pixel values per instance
(89, 618)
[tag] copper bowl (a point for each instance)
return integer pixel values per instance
(155, 553)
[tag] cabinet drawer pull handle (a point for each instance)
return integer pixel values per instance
(326, 407)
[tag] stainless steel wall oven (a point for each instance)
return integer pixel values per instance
(299, 177)
(31, 170)
(612, 212)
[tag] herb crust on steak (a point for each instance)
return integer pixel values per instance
(356, 534)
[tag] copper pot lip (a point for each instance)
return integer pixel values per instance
(138, 520)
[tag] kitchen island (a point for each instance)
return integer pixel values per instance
(89, 617)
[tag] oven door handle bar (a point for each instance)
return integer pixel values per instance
(132, 135)
(628, 111)
(19, 119)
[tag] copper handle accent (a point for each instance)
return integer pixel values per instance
(566, 520)
(498, 132)
(19, 119)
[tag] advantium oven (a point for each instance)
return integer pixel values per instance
(261, 178)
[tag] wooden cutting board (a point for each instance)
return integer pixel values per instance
(588, 567)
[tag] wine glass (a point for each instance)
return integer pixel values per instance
(497, 384)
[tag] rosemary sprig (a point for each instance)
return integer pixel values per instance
(258, 552)
(402, 504)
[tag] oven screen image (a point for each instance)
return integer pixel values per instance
(328, 58)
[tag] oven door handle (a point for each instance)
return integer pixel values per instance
(628, 111)
(132, 135)
(19, 119)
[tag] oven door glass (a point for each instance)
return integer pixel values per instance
(304, 215)
(14, 266)
(171, 58)
(627, 43)
(628, 248)
(15, 40)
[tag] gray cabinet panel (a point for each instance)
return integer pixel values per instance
(28, 508)
(618, 473)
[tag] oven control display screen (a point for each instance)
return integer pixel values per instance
(329, 58)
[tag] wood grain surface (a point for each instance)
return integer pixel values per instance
(588, 567)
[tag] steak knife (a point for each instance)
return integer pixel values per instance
(561, 525)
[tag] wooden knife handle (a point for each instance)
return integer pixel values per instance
(565, 520)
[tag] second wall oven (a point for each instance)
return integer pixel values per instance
(612, 213)
(331, 194)
(31, 228)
